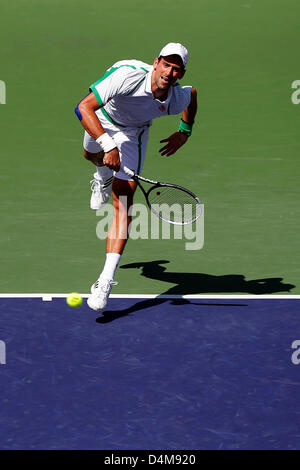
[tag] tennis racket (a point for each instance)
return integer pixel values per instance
(170, 202)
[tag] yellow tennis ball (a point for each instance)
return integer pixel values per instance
(74, 300)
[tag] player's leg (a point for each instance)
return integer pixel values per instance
(132, 151)
(117, 237)
(123, 191)
(101, 185)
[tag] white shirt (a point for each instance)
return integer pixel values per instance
(126, 100)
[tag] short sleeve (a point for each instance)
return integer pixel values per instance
(180, 100)
(111, 84)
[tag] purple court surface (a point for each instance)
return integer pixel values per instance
(150, 374)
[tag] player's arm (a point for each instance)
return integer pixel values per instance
(85, 112)
(190, 112)
(179, 138)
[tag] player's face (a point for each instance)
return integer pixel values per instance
(167, 71)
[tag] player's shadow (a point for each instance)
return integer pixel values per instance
(194, 283)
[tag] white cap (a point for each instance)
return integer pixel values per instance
(175, 48)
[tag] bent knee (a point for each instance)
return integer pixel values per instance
(96, 158)
(89, 155)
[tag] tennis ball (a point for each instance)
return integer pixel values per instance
(74, 300)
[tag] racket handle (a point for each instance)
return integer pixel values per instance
(128, 171)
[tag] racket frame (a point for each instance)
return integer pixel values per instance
(157, 184)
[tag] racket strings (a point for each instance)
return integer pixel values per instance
(174, 204)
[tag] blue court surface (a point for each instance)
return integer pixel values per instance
(150, 374)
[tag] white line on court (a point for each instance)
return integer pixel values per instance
(49, 296)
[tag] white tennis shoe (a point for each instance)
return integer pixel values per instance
(100, 292)
(101, 192)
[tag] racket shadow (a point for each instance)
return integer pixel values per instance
(194, 283)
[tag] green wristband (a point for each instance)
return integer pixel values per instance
(185, 128)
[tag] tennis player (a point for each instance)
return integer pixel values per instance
(116, 116)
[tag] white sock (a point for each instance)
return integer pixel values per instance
(103, 173)
(110, 266)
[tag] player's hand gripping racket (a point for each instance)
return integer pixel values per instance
(170, 202)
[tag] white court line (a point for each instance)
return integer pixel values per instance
(49, 297)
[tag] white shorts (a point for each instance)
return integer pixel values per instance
(132, 146)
